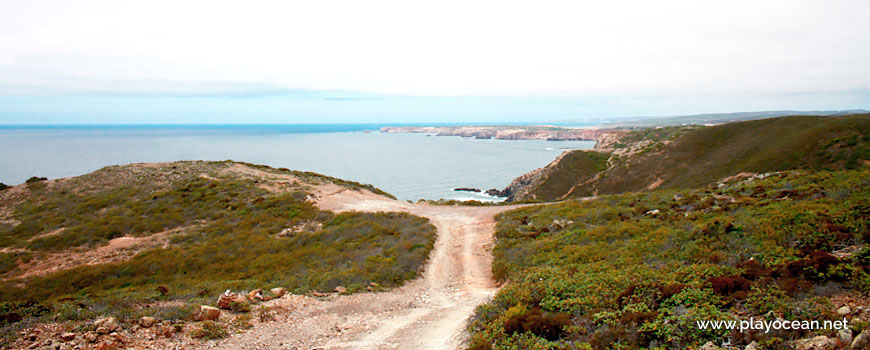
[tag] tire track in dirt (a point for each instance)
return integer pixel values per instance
(430, 312)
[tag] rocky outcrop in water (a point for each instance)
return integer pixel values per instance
(467, 189)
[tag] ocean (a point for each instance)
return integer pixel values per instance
(409, 166)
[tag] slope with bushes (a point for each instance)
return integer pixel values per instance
(201, 228)
(638, 270)
(686, 157)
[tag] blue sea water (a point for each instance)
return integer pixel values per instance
(410, 166)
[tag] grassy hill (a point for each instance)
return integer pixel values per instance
(559, 177)
(185, 232)
(637, 270)
(686, 157)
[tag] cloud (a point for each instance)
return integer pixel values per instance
(444, 48)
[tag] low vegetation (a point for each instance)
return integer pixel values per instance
(222, 228)
(34, 179)
(692, 156)
(636, 270)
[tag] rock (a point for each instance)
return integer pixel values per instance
(319, 294)
(109, 323)
(467, 189)
(752, 346)
(207, 313)
(374, 285)
(278, 292)
(862, 341)
(147, 321)
(494, 192)
(256, 295)
(845, 336)
(818, 343)
(91, 336)
(117, 337)
(67, 336)
(844, 310)
(710, 346)
(340, 290)
(228, 298)
(653, 212)
(103, 330)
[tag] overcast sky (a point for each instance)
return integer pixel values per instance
(389, 61)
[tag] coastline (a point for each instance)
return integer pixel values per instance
(507, 132)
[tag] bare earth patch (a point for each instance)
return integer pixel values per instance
(118, 249)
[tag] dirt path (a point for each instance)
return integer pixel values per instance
(428, 313)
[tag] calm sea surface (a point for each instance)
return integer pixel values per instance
(410, 166)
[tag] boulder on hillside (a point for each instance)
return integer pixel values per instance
(147, 321)
(207, 313)
(228, 298)
(110, 324)
(278, 292)
(256, 295)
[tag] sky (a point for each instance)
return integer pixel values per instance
(443, 61)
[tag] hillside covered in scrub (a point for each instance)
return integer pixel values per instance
(161, 239)
(691, 156)
(637, 270)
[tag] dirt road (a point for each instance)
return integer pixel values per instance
(428, 313)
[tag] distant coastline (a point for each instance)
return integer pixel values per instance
(507, 132)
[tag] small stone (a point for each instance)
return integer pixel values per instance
(103, 330)
(256, 295)
(862, 341)
(91, 336)
(147, 321)
(225, 300)
(709, 346)
(110, 323)
(208, 313)
(278, 292)
(844, 310)
(845, 336)
(67, 336)
(752, 346)
(340, 290)
(117, 337)
(818, 343)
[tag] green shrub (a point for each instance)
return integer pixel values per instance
(35, 179)
(632, 279)
(224, 236)
(242, 322)
(240, 307)
(209, 330)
